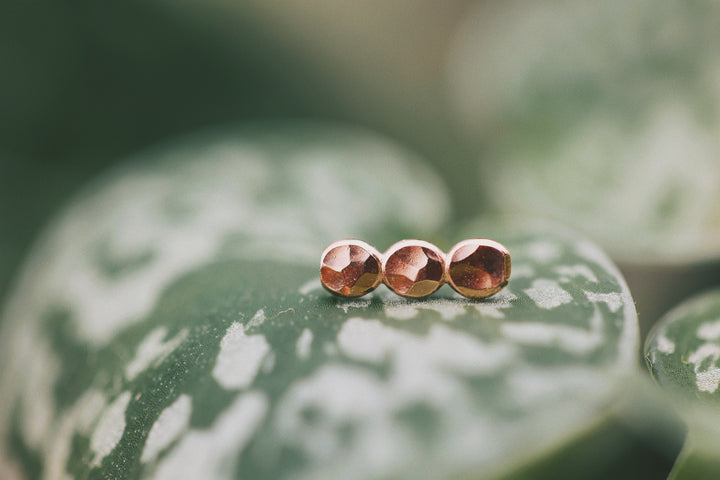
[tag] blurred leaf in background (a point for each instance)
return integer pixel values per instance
(605, 116)
(83, 84)
(683, 355)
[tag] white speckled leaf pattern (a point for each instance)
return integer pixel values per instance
(683, 351)
(683, 355)
(171, 325)
(603, 115)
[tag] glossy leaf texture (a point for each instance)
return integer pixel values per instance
(683, 350)
(171, 324)
(683, 355)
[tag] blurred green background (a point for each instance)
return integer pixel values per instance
(82, 85)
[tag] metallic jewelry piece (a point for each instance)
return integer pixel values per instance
(478, 267)
(413, 268)
(350, 268)
(475, 268)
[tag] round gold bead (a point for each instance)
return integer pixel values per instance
(350, 268)
(478, 267)
(413, 268)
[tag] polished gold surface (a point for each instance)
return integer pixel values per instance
(413, 268)
(350, 268)
(478, 268)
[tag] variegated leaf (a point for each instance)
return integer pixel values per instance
(171, 325)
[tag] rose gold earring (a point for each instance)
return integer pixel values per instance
(350, 268)
(475, 268)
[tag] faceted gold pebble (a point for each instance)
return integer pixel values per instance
(413, 268)
(350, 268)
(478, 268)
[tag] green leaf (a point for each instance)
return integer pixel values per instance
(682, 354)
(683, 350)
(171, 324)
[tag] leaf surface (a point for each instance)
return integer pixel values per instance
(171, 325)
(683, 355)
